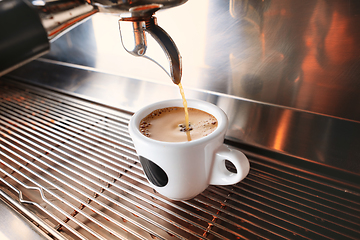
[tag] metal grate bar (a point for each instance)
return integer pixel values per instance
(80, 159)
(19, 94)
(270, 171)
(80, 124)
(71, 170)
(66, 183)
(348, 215)
(64, 110)
(319, 198)
(290, 218)
(40, 189)
(33, 133)
(220, 216)
(64, 138)
(218, 226)
(321, 214)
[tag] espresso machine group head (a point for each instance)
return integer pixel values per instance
(32, 25)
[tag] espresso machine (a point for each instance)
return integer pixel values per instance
(285, 72)
(32, 25)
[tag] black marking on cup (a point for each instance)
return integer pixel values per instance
(154, 173)
(230, 166)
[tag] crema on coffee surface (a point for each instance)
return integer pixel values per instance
(168, 124)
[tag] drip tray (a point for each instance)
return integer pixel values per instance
(70, 167)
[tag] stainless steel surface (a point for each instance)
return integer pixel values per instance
(25, 36)
(74, 163)
(313, 137)
(136, 23)
(11, 222)
(59, 15)
(298, 54)
(297, 64)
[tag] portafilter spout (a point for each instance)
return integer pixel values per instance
(141, 20)
(35, 23)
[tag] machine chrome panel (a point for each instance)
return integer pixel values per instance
(298, 54)
(286, 72)
(313, 137)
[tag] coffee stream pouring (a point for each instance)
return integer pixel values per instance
(34, 24)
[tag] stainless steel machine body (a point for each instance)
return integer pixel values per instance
(285, 72)
(31, 24)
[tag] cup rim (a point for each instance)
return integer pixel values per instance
(217, 112)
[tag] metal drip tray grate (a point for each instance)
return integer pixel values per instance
(72, 164)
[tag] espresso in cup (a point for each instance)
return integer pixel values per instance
(182, 170)
(168, 124)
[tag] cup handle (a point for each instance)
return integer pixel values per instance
(220, 174)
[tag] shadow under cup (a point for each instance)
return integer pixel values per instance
(182, 170)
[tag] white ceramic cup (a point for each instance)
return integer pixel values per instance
(182, 170)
